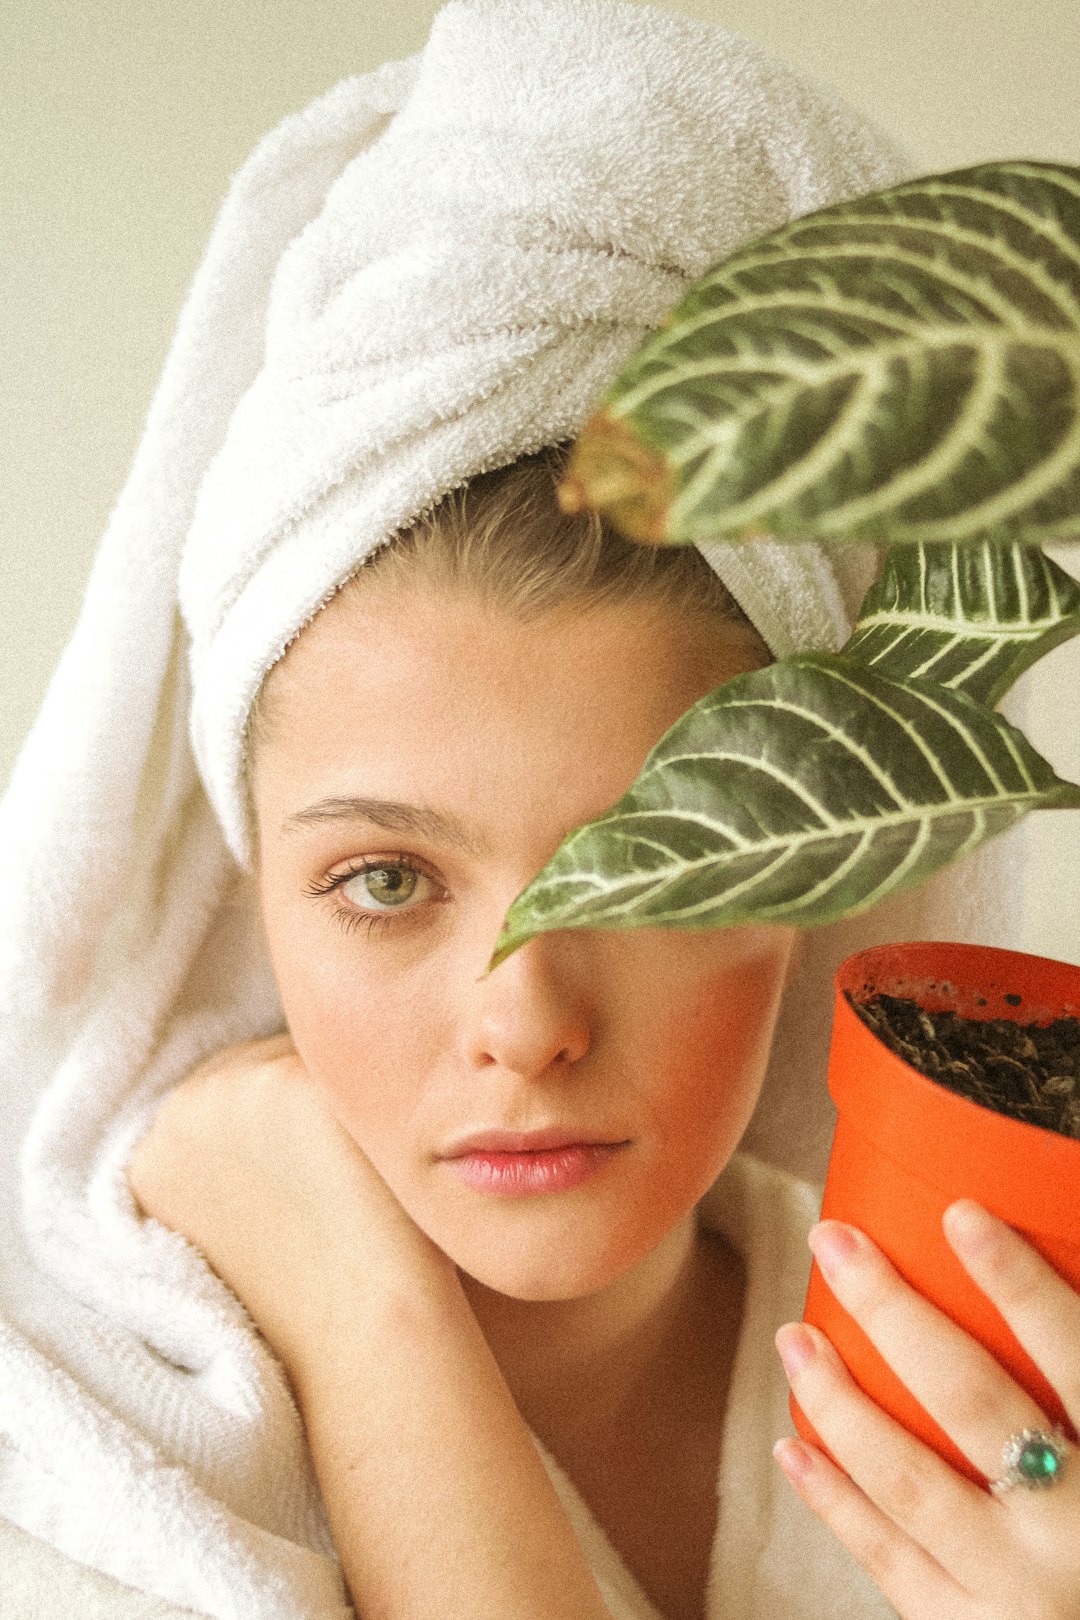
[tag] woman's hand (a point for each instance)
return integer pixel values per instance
(936, 1544)
(246, 1160)
(436, 1497)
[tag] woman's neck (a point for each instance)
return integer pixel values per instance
(575, 1366)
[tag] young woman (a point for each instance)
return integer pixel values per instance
(462, 1206)
(337, 1267)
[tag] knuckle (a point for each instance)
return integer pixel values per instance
(1018, 1280)
(876, 1295)
(241, 1057)
(968, 1403)
(210, 1066)
(876, 1547)
(971, 1390)
(902, 1493)
(830, 1397)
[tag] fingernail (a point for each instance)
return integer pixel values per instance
(832, 1245)
(794, 1458)
(970, 1225)
(795, 1347)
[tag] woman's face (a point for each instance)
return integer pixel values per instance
(500, 738)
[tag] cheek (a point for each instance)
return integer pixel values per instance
(363, 1041)
(715, 1039)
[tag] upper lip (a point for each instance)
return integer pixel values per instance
(552, 1136)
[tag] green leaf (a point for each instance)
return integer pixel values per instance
(800, 793)
(971, 617)
(902, 367)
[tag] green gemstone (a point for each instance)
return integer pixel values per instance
(1038, 1461)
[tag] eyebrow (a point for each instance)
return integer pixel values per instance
(393, 816)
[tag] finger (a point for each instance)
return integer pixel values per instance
(955, 1378)
(951, 1520)
(241, 1055)
(264, 1046)
(1038, 1304)
(910, 1578)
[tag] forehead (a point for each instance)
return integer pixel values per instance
(382, 666)
(387, 626)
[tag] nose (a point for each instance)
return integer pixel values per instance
(533, 1010)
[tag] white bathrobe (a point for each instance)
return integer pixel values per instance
(772, 1558)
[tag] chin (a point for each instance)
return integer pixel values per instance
(539, 1283)
(570, 1268)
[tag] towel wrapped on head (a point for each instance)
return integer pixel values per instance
(475, 278)
(435, 269)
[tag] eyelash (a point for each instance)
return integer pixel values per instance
(351, 918)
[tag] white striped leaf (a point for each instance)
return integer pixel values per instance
(799, 793)
(903, 367)
(970, 617)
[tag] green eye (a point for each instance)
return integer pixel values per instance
(390, 885)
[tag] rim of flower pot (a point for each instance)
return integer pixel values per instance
(940, 1137)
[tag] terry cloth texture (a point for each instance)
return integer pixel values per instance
(434, 269)
(771, 1556)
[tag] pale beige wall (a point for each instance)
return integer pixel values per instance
(122, 123)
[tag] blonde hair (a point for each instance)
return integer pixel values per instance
(504, 537)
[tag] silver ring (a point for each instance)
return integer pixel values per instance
(1032, 1458)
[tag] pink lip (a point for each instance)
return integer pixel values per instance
(520, 1163)
(522, 1174)
(552, 1136)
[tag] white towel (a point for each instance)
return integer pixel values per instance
(434, 269)
(474, 279)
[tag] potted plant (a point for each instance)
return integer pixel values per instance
(901, 370)
(984, 1103)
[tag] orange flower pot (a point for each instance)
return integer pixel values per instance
(905, 1148)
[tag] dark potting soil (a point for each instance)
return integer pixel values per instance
(1024, 1071)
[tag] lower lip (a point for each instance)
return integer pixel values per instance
(516, 1175)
